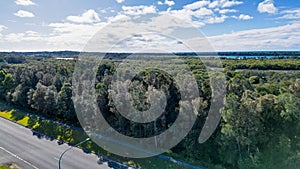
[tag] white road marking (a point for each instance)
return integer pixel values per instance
(19, 158)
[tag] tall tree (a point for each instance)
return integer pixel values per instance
(65, 104)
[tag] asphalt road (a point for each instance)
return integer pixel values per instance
(19, 146)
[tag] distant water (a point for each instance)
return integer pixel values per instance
(254, 57)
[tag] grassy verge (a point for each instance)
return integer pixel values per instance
(54, 130)
(8, 166)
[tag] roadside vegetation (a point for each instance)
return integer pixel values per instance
(8, 166)
(259, 127)
(48, 129)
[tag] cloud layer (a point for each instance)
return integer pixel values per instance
(293, 14)
(283, 37)
(75, 30)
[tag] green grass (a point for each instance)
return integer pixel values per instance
(72, 136)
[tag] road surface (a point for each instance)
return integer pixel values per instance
(19, 146)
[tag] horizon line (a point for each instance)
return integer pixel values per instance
(129, 52)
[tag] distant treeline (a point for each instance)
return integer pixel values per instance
(12, 59)
(44, 54)
(120, 55)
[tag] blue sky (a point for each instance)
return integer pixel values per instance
(229, 25)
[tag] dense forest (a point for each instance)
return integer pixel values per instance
(259, 127)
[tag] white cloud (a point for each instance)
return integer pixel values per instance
(224, 3)
(214, 4)
(71, 36)
(75, 36)
(202, 12)
(164, 25)
(217, 19)
(2, 27)
(184, 14)
(267, 6)
(89, 16)
(199, 17)
(225, 11)
(25, 36)
(120, 1)
(31, 33)
(290, 14)
(167, 2)
(285, 37)
(25, 41)
(243, 17)
(229, 3)
(118, 17)
(63, 27)
(138, 10)
(24, 14)
(196, 5)
(14, 37)
(24, 2)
